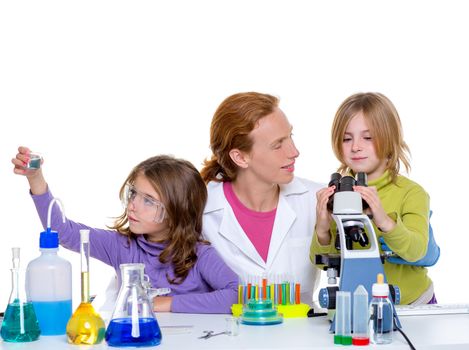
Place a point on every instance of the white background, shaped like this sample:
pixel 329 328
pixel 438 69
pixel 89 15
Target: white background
pixel 98 86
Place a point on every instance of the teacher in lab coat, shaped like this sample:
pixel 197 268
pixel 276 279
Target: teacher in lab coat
pixel 259 216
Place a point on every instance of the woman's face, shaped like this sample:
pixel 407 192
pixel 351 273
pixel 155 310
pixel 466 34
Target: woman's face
pixel 273 153
pixel 359 150
pixel 145 211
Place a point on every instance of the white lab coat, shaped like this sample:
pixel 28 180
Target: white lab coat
pixel 290 242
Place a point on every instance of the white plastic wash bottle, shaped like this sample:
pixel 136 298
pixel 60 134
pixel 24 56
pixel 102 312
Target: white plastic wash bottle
pixel 49 283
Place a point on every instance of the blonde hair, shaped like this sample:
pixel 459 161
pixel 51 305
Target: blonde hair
pixel 385 126
pixel 232 123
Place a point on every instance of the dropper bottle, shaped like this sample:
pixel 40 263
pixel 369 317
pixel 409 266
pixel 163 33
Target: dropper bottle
pixel 85 326
pixel 381 313
pixel 20 321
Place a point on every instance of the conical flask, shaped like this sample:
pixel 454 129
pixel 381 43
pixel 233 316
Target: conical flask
pixel 133 322
pixel 20 322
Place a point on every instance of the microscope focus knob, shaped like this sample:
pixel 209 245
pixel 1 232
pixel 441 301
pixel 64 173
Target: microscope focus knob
pixel 395 294
pixel 327 297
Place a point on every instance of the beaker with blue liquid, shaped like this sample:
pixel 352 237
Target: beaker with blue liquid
pixel 133 322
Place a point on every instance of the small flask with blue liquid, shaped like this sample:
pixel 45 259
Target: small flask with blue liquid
pixel 19 323
pixel 133 322
pixel 49 283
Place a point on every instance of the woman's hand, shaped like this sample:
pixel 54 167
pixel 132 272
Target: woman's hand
pixel 323 216
pixel 35 178
pixel 380 218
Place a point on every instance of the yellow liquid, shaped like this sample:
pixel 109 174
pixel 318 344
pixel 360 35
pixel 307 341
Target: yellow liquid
pixel 85 287
pixel 85 326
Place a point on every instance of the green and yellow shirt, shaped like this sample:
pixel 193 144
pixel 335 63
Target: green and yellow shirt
pixel 407 204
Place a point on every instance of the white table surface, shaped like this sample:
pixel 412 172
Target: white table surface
pixel 426 332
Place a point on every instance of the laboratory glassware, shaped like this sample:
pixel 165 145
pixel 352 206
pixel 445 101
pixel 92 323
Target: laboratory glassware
pixel 85 326
pixel 19 322
pixel 133 322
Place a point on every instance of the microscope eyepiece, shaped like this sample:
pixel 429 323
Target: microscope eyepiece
pixel 346 183
pixel 362 179
pixel 335 179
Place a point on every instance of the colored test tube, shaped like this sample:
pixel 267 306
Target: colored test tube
pixel 284 293
pixel 264 287
pixel 361 316
pixel 275 293
pixel 297 293
pixel 279 292
pixel 343 320
pixel 291 293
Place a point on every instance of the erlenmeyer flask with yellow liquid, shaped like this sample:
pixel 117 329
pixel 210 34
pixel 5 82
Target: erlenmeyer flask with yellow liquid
pixel 85 326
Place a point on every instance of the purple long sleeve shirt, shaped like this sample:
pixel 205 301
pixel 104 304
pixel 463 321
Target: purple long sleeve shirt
pixel 210 286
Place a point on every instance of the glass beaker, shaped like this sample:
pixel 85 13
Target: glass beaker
pixel 133 322
pixel 19 322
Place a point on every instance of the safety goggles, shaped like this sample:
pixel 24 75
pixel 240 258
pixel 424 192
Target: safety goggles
pixel 132 195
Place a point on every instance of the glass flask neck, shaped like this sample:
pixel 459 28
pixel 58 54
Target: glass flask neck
pixel 132 274
pixel 133 301
pixel 18 290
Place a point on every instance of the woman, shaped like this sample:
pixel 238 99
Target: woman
pixel 259 216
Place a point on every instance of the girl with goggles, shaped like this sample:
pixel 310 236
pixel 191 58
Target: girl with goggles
pixel 160 226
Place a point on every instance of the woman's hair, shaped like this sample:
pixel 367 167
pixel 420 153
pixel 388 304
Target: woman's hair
pixel 231 125
pixel 385 126
pixel 184 195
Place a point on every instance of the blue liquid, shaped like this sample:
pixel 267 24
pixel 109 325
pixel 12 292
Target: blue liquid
pixel 34 163
pixel 11 326
pixel 53 316
pixel 119 332
pixel 383 325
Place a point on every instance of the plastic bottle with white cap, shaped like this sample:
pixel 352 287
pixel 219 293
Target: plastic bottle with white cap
pixel 381 313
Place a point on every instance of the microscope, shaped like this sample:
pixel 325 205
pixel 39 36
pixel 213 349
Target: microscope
pixel 352 266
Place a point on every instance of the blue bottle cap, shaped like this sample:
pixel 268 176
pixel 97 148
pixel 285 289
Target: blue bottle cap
pixel 49 239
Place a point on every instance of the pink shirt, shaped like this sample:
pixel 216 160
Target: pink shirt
pixel 257 225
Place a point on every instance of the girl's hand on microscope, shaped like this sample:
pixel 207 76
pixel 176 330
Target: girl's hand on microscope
pixel 323 216
pixel 380 218
pixel 35 178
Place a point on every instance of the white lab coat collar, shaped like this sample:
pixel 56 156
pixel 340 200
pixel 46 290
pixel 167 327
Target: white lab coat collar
pixel 283 220
pixel 218 200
